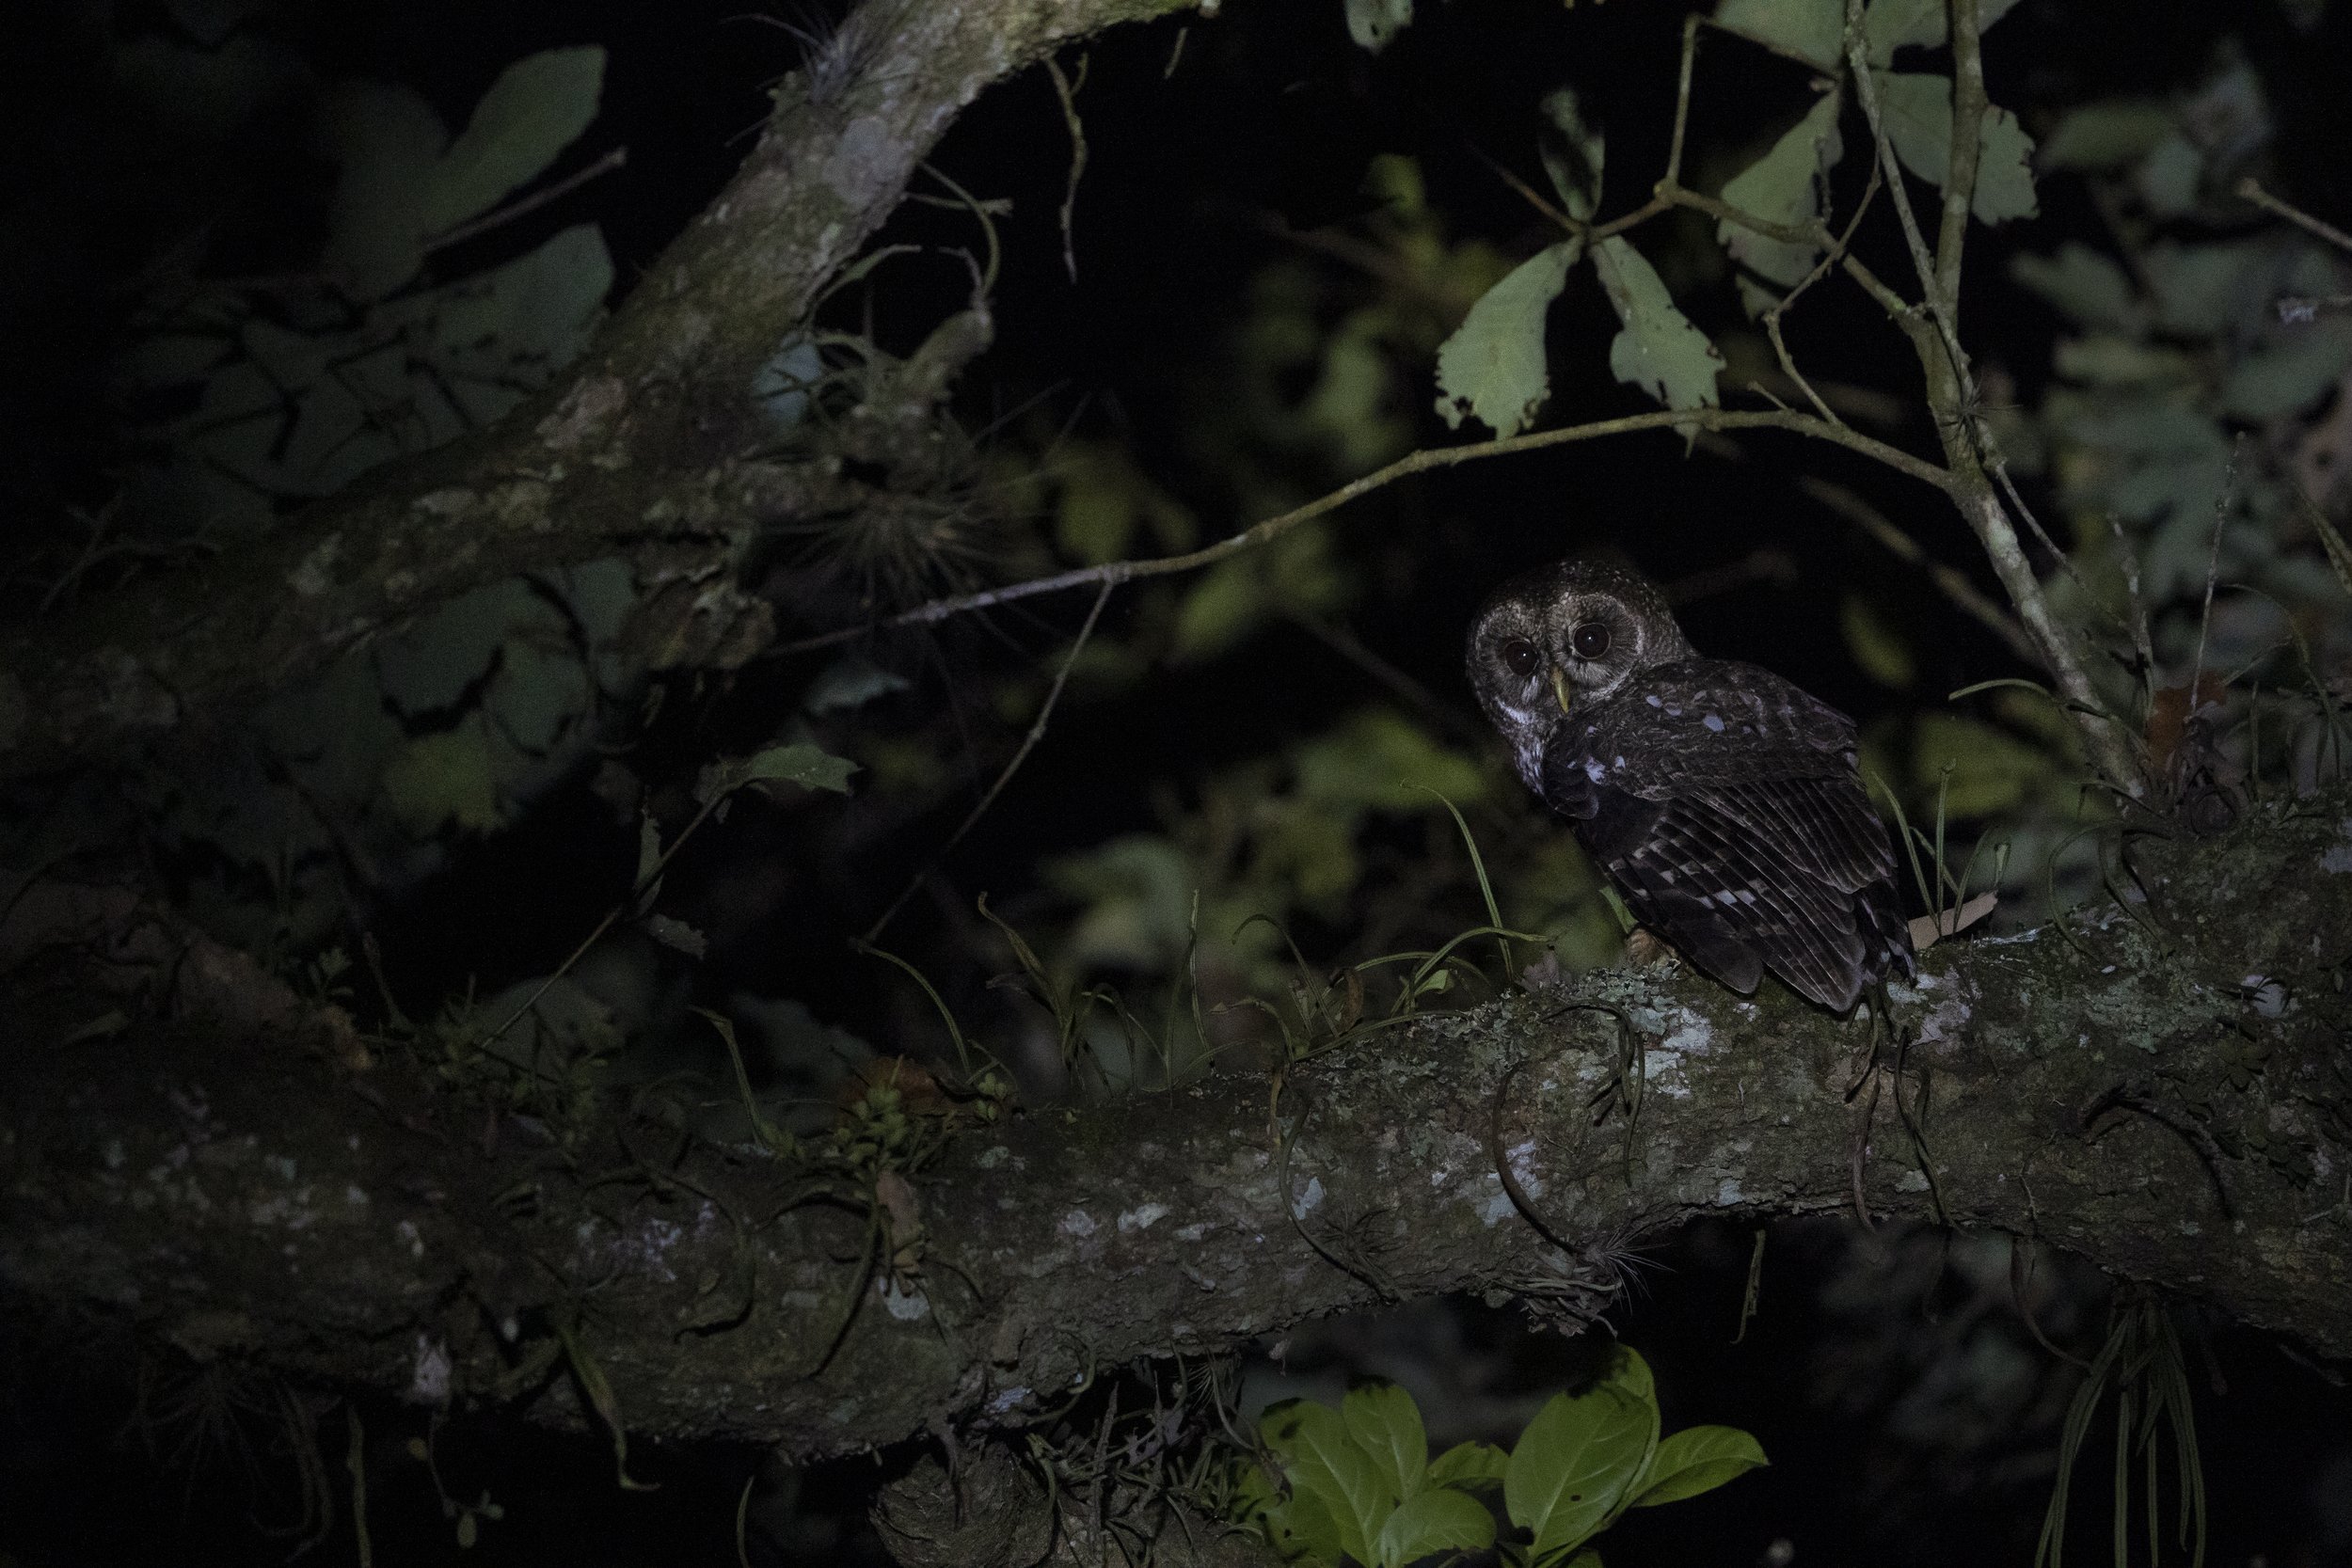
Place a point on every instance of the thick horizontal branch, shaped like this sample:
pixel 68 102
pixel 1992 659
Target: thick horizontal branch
pixel 2160 1087
pixel 633 451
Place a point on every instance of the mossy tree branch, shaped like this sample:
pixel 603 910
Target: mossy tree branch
pixel 641 449
pixel 2112 1087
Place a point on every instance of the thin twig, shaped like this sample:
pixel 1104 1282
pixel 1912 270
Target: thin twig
pixel 458 233
pixel 1028 744
pixel 2213 567
pixel 1969 107
pixel 2248 189
pixel 1120 572
pixel 1068 92
pixel 1948 582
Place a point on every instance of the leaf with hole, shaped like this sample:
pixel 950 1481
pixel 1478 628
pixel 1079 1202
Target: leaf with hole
pixel 1574 1463
pixel 1658 350
pixel 1916 110
pixel 1493 367
pixel 1373 24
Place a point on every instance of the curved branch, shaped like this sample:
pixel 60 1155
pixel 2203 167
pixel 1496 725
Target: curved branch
pixel 1118 572
pixel 637 451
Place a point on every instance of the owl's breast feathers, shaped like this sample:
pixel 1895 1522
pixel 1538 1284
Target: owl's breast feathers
pixel 1727 803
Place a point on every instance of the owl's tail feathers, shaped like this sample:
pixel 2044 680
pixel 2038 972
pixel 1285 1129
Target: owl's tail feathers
pixel 1711 945
pixel 1885 934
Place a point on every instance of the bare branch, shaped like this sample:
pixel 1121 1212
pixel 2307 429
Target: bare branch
pixel 1414 462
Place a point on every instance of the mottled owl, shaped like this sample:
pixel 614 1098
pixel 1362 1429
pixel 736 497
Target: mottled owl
pixel 1724 801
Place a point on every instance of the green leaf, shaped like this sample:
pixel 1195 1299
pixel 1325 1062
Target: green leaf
pixel 443 780
pixel 1574 1463
pixel 2170 176
pixel 1469 1465
pixel 1812 30
pixel 1696 1460
pixel 1573 153
pixel 1324 1463
pixel 2208 288
pixel 1373 22
pixel 1658 350
pixel 2106 136
pixel 1304 1525
pixel 1437 1520
pixel 799 763
pixel 1783 187
pixel 535 110
pixel 1493 366
pixel 387 141
pixel 2085 285
pixel 1386 1424
pixel 1879 648
pixel 1892 25
pixel 1916 109
pixel 2288 377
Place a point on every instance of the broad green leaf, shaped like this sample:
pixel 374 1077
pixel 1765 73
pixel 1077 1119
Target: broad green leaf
pixel 1783 187
pixel 535 110
pixel 2105 360
pixel 799 763
pixel 387 141
pixel 1878 647
pixel 2169 177
pixel 1892 25
pixel 1812 30
pixel 1373 22
pixel 1698 1459
pixel 1324 1463
pixel 2105 136
pixel 802 763
pixel 1386 1424
pixel 1379 758
pixel 1493 366
pixel 1469 1465
pixel 2287 377
pixel 2207 289
pixel 1437 1520
pixel 443 780
pixel 1574 1463
pixel 1658 349
pixel 1916 109
pixel 1573 154
pixel 2088 286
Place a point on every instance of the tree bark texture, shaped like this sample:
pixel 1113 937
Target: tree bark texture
pixel 2160 1084
pixel 646 447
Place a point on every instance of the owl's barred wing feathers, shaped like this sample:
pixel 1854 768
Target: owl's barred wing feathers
pixel 1725 801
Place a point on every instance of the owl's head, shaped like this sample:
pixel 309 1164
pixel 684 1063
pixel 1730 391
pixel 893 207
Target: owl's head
pixel 1549 641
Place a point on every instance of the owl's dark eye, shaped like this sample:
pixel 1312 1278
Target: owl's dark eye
pixel 1520 655
pixel 1590 640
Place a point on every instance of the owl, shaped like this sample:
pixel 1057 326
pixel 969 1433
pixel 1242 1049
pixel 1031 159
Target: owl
pixel 1724 801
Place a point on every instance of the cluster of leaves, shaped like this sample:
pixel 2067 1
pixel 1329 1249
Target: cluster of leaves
pixel 1358 1484
pixel 1495 369
pixel 299 385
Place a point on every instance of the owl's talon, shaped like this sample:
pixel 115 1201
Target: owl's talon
pixel 1646 949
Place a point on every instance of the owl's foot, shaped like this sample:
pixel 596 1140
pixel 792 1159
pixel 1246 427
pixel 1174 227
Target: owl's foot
pixel 1646 949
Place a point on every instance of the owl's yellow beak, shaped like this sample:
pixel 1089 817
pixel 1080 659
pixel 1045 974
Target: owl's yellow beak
pixel 1559 686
